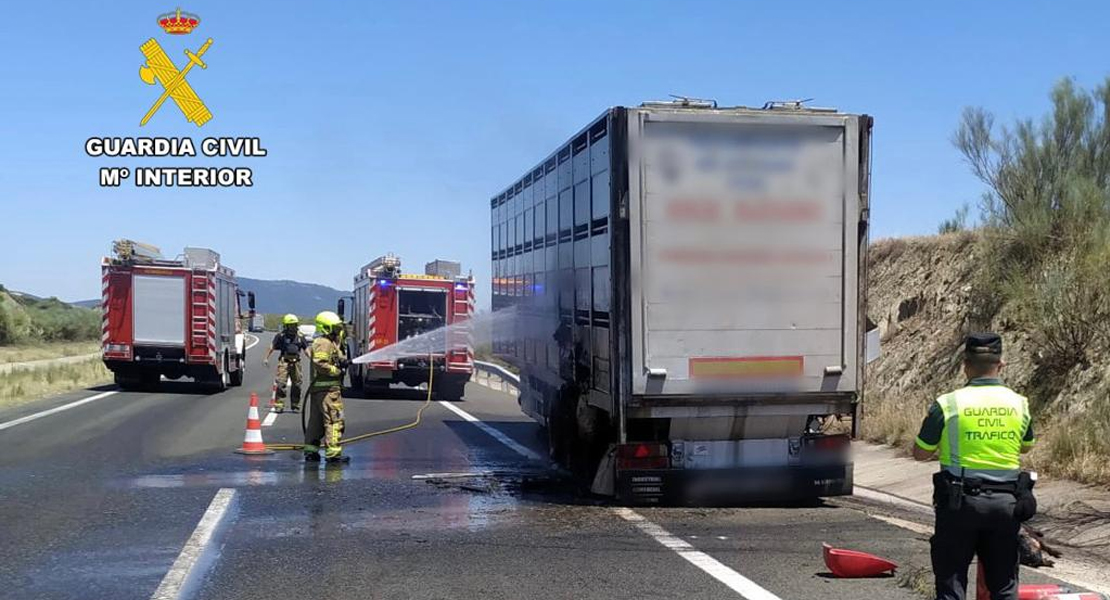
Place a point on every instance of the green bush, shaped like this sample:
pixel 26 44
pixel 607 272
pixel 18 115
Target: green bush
pixel 1046 220
pixel 958 221
pixel 26 320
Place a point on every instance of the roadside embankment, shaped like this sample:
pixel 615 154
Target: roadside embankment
pixel 925 293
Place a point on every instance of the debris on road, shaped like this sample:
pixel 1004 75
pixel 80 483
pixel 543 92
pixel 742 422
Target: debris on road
pixel 851 563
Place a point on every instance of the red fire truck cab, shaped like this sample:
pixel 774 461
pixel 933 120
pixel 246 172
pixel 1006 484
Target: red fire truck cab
pixel 173 318
pixel 407 320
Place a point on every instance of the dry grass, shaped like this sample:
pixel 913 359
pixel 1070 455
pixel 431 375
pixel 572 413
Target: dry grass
pixel 893 421
pixel 23 385
pixel 1075 446
pixel 918 580
pixel 22 353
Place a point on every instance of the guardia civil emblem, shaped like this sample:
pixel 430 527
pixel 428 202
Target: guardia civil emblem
pixel 159 69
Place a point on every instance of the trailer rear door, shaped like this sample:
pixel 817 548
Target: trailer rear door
pixel 743 252
pixel 158 305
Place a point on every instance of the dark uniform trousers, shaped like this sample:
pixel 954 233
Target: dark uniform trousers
pixel 984 525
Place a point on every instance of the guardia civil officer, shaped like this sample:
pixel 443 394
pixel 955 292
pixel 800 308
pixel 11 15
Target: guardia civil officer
pixel 981 494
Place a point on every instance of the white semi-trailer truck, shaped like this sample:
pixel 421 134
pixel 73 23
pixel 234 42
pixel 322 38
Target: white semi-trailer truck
pixel 685 282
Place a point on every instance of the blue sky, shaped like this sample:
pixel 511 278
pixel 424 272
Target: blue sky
pixel 389 125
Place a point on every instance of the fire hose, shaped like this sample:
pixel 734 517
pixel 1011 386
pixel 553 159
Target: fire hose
pixel 306 404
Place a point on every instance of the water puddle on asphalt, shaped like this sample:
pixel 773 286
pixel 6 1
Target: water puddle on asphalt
pixel 436 503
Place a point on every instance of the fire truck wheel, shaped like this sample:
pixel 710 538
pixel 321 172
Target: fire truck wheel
pixel 127 383
pixel 375 390
pixel 355 377
pixel 236 378
pixel 451 389
pixel 149 381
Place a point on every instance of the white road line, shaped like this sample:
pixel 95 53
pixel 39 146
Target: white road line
pixel 254 343
pixel 185 572
pixel 885 498
pixel 56 409
pixel 735 581
pixel 494 433
pixel 269 420
pixel 743 586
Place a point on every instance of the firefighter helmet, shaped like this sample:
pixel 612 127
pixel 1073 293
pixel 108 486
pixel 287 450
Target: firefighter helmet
pixel 327 322
pixel 290 319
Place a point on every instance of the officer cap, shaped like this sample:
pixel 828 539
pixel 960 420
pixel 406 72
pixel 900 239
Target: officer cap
pixel 985 344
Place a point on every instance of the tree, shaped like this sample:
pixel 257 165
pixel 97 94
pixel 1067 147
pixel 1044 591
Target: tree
pixel 1046 216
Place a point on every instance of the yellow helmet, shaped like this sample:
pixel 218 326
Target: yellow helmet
pixel 290 319
pixel 326 322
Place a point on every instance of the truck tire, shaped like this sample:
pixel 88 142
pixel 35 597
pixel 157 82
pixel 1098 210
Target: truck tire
pixel 148 382
pixel 127 383
pixel 354 374
pixel 376 389
pixel 451 389
pixel 220 379
pixel 236 378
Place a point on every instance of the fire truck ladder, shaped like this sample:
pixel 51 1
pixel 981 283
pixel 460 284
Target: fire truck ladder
pixel 199 313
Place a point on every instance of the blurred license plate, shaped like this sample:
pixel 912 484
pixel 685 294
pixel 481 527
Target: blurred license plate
pixel 746 366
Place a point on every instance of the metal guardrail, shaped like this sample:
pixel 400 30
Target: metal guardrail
pixel 496 377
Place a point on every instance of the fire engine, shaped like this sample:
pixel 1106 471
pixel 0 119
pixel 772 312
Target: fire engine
pixel 391 307
pixel 174 318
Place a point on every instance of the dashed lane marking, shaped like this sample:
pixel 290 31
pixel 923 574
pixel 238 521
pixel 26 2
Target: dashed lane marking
pixel 270 418
pixel 743 586
pixel 494 433
pixel 736 582
pixel 195 557
pixel 56 409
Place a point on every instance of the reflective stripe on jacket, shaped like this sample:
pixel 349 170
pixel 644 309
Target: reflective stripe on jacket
pixel 984 429
pixel 325 364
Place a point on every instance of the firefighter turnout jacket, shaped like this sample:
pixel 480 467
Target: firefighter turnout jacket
pixel 326 359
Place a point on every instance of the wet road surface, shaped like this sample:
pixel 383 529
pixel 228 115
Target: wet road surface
pixel 98 501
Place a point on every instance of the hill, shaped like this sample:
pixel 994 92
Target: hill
pixel 25 318
pixel 277 296
pixel 284 296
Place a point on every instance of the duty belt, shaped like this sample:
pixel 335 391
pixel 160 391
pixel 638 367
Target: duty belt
pixel 973 486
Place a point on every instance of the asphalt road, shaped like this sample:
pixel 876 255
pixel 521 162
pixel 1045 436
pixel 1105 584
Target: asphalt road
pixel 107 499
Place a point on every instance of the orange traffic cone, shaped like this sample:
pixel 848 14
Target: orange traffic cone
pixel 1031 591
pixel 252 441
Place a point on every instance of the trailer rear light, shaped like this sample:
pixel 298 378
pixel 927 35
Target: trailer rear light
pixel 649 455
pixel 117 349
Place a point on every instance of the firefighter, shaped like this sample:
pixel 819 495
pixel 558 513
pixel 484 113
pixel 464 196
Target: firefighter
pixel 981 494
pixel 290 344
pixel 326 407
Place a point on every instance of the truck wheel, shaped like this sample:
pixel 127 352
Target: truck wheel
pixel 355 376
pixel 452 389
pixel 127 383
pixel 375 389
pixel 220 382
pixel 236 377
pixel 149 381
